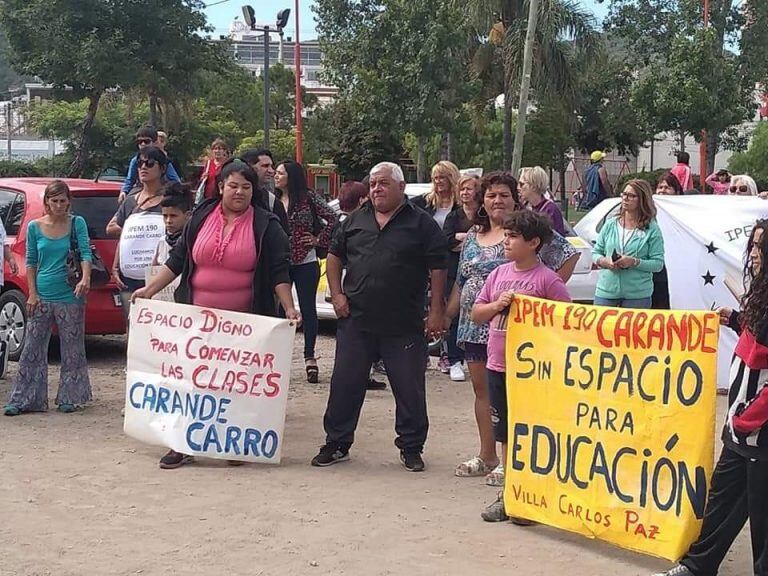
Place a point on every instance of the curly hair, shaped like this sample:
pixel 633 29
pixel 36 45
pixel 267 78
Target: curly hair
pixel 755 300
pixel 482 220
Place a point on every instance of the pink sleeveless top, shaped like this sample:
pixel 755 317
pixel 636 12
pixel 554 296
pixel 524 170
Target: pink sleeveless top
pixel 224 264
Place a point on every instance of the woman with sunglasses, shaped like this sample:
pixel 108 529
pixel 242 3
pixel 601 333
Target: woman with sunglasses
pixel 742 185
pixel 629 250
pixel 146 136
pixel 139 224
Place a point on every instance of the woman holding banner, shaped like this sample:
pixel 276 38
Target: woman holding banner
pixel 629 250
pixel 232 255
pixel 482 253
pixel 739 488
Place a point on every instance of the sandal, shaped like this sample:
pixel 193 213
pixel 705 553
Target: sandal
pixel 472 468
pixel 496 477
pixel 313 372
pixel 11 410
pixel 66 408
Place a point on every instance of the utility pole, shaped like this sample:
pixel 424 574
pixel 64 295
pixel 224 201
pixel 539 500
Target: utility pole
pixel 297 65
pixel 266 87
pixel 525 85
pixel 703 164
pixel 9 128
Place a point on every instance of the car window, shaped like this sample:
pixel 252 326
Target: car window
pixel 97 212
pixel 11 211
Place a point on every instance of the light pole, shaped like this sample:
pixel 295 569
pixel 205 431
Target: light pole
pixel 297 65
pixel 250 20
pixel 703 154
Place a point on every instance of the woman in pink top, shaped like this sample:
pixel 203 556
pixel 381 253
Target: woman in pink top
pixel 233 255
pixel 682 171
pixel 719 181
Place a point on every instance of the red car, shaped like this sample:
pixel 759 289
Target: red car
pixel 21 201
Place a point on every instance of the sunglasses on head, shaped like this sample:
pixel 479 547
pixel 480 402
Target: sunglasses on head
pixel 143 141
pixel 741 188
pixel 149 163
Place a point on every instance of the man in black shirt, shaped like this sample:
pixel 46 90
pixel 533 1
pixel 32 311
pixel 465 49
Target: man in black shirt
pixel 390 249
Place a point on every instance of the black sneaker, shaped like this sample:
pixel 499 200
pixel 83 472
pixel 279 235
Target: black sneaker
pixel 412 461
pixel 376 385
pixel 330 454
pixel 174 459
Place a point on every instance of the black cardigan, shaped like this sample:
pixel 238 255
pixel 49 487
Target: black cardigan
pixel 272 262
pixel 421 202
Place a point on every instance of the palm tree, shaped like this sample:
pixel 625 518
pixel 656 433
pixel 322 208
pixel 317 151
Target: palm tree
pixel 565 34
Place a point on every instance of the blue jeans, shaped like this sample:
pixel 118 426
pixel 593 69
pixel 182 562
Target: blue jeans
pixel 455 354
pixel 306 278
pixel 639 303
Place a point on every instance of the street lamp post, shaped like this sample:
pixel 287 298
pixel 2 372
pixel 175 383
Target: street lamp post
pixel 250 20
pixel 297 65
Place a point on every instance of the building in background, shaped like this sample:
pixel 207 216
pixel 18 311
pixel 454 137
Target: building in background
pixel 247 48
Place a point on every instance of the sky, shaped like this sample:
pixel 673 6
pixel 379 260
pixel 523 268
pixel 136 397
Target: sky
pixel 221 14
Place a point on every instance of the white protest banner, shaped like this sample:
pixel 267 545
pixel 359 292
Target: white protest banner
pixel 138 241
pixel 208 382
pixel 704 242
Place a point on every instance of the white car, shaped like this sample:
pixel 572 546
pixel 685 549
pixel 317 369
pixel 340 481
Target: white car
pixel 581 285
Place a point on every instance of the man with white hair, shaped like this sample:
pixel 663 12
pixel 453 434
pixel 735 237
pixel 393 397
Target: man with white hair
pixel 390 249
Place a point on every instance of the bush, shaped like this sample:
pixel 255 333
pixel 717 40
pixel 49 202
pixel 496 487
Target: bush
pixel 652 178
pixel 18 169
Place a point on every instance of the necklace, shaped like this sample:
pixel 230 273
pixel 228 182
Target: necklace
pixel 624 239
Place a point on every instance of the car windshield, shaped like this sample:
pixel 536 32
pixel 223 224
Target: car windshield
pixel 97 212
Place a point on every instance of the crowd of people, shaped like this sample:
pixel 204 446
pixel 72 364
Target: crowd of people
pixel 447 265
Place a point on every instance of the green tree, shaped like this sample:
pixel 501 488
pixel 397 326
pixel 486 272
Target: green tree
pixel 752 161
pixel 565 34
pixel 688 79
pixel 403 61
pixel 82 48
pixel 89 47
pixel 171 47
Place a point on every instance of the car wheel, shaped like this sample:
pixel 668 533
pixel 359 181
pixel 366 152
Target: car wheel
pixel 13 321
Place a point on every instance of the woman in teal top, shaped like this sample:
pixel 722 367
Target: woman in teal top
pixel 628 250
pixel 53 301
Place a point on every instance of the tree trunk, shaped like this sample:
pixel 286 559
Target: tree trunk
pixel 507 151
pixel 78 165
pixel 713 147
pixel 525 84
pixel 561 176
pixel 419 159
pixel 681 136
pixel 153 107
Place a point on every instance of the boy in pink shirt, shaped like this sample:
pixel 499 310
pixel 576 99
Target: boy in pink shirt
pixel 525 232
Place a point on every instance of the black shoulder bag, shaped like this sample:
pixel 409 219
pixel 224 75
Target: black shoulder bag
pixel 99 274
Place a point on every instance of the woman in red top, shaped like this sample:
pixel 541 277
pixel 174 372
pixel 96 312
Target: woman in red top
pixel 219 154
pixel 310 222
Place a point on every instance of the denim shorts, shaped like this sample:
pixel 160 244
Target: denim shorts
pixel 475 352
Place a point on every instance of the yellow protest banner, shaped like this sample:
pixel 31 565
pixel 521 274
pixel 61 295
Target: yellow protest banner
pixel 611 421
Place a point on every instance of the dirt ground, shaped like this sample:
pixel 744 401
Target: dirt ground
pixel 77 497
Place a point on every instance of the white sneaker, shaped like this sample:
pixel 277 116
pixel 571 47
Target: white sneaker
pixel 457 373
